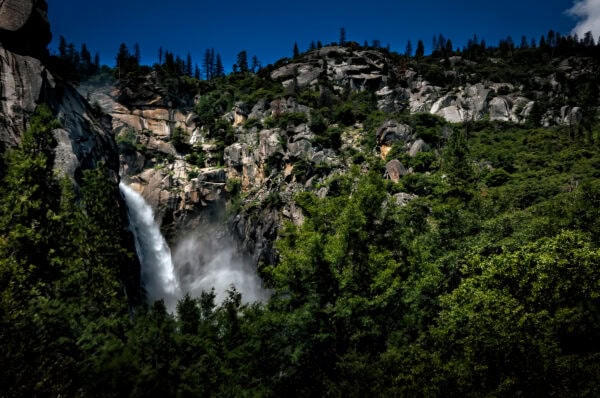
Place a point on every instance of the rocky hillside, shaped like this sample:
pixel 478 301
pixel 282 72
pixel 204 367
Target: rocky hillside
pixel 242 147
pixel 26 82
pixel 83 136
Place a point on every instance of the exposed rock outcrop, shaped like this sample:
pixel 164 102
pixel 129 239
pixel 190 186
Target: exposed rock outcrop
pixel 281 147
pixel 182 202
pixel 83 139
pixel 358 70
pixel 24 26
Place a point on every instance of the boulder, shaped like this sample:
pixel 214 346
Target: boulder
pixel 499 109
pixel 24 26
pixel 391 131
pixel 416 147
pixel 394 170
pixel 570 116
pixel 14 14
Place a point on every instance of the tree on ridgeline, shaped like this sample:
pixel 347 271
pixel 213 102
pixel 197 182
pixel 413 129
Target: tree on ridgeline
pixel 408 50
pixel 256 65
pixel 219 68
pixel 188 65
pixel 208 63
pixel 242 61
pixel 137 53
pixel 126 62
pixel 420 51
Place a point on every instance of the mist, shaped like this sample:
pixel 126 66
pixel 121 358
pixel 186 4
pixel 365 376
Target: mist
pixel 203 262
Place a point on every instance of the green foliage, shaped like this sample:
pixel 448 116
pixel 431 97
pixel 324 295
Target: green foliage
pixel 195 158
pixel 62 258
pixel 330 138
pixel 522 321
pixel 356 108
pixel 251 123
pixel 128 142
pixel 178 139
pixel 286 119
pixel 484 284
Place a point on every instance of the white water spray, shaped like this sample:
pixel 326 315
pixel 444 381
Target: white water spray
pixel 206 262
pixel 199 263
pixel 158 276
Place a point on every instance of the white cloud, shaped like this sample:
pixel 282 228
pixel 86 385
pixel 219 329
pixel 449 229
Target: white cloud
pixel 588 14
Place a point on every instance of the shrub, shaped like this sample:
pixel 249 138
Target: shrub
pixel 196 159
pixel 253 122
pixel 285 119
pixel 496 178
pixel 330 138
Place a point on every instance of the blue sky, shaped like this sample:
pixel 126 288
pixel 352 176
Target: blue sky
pixel 268 28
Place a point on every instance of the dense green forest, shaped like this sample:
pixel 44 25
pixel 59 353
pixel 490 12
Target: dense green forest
pixel 487 283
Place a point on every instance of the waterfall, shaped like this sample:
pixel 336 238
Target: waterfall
pixel 200 263
pixel 158 275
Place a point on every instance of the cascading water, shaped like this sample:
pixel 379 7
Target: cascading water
pixel 158 275
pixel 199 263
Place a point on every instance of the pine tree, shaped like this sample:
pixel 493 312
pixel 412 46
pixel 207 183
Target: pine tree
pixel 420 52
pixel 85 66
pixel 342 36
pixel 409 49
pixel 242 61
pixel 136 53
pixel 296 51
pixel 209 63
pixel 219 69
pixel 255 64
pixel 62 47
pixel 188 65
pixel 29 195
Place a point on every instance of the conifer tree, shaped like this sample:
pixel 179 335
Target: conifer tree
pixel 255 64
pixel 188 65
pixel 137 53
pixel 409 49
pixel 420 52
pixel 242 61
pixel 62 47
pixel 209 63
pixel 219 69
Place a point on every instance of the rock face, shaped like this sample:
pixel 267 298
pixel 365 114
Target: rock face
pixel 24 26
pixel 182 203
pixel 183 194
pixel 83 140
pixel 358 70
pixel 273 157
pixel 25 82
pixel 14 14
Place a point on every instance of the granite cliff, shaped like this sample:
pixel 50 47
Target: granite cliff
pixel 26 81
pixel 304 121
